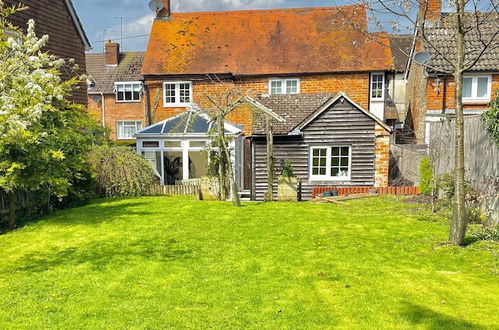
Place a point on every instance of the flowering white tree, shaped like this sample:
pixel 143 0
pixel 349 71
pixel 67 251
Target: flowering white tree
pixel 42 140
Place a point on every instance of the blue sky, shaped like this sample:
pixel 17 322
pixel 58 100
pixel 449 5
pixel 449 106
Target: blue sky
pixel 100 15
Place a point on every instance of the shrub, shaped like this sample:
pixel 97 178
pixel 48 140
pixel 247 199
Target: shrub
pixel 425 175
pixel 119 171
pixel 483 233
pixel 287 169
pixel 491 119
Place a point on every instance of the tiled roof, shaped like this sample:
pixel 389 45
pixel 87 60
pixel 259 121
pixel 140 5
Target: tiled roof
pixel 401 46
pixel 293 108
pixel 443 36
pixel 105 76
pixel 253 42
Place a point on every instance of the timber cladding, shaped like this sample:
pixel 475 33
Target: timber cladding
pixel 341 125
pixel 53 18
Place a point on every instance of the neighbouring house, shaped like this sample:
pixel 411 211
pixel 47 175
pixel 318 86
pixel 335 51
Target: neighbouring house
pixel 115 92
pixel 307 60
pixel 431 89
pixel 67 39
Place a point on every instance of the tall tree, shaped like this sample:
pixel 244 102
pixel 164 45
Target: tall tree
pixel 473 28
pixel 43 138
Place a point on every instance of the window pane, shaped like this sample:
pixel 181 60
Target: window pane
pixel 344 161
pixel 467 84
pixel 170 93
pixel 120 96
pixel 128 93
pixel 315 162
pixel 316 152
pixel 275 87
pixel 315 171
pixel 323 162
pixel 173 144
pixel 197 144
pixel 136 92
pixel 291 86
pixel 335 171
pixel 377 86
pixel 344 151
pixel 335 161
pixel 185 93
pixel 482 87
pixel 322 171
pixel 336 151
pixel 150 144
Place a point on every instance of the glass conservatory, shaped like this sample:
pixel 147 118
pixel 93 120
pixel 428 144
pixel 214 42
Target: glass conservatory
pixel 176 148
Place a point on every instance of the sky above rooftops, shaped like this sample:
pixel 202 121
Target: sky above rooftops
pixel 102 18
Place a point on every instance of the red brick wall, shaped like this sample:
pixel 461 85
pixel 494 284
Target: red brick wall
pixel 115 111
pixel 355 85
pixel 53 18
pixel 435 98
pixel 382 157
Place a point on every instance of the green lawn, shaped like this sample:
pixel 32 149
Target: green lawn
pixel 164 262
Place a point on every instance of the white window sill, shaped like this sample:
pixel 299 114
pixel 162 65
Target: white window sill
pixel 476 101
pixel 176 105
pixel 339 179
pixel 128 101
pixel 125 138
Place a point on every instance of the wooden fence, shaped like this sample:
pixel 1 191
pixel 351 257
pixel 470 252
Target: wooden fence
pixel 406 191
pixel 481 159
pixel 175 190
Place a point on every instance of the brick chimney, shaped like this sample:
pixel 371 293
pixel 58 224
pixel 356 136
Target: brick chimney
pixel 112 53
pixel 166 11
pixel 430 10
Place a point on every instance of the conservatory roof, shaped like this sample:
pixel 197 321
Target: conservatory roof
pixel 185 124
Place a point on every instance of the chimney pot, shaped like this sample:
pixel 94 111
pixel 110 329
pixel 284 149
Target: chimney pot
pixel 166 11
pixel 112 53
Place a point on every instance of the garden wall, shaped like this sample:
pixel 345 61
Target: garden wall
pixel 481 158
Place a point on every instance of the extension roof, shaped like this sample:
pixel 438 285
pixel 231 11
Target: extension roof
pixel 188 123
pixel 299 110
pixel 105 76
pixel 442 35
pixel 265 42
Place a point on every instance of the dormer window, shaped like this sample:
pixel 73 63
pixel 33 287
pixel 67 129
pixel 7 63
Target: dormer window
pixel 128 91
pixel 284 86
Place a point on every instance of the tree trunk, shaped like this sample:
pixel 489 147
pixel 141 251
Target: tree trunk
pixel 269 196
pixel 225 150
pixel 221 163
pixel 12 211
pixel 458 223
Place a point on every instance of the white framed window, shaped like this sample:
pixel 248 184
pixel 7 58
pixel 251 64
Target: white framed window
pixel 284 86
pixel 128 91
pixel 330 163
pixel 126 129
pixel 177 93
pixel 377 86
pixel 476 88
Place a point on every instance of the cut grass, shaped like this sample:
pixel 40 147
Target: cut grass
pixel 164 262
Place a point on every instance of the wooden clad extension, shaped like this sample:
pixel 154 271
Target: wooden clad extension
pixel 342 124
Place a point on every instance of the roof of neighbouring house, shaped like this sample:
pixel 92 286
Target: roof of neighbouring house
pixel 442 35
pixel 298 110
pixel 401 45
pixel 187 123
pixel 105 76
pixel 276 41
